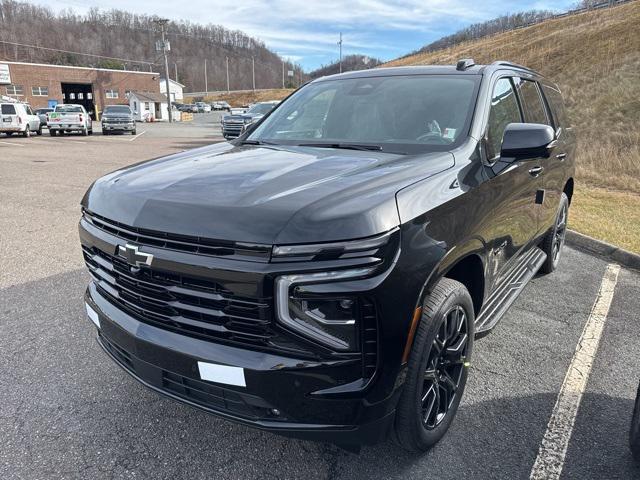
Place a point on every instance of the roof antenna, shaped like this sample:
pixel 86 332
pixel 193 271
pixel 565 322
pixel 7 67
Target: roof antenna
pixel 465 63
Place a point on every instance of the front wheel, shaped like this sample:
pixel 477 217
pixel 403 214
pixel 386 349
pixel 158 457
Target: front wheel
pixel 437 368
pixel 39 131
pixel 554 240
pixel 27 132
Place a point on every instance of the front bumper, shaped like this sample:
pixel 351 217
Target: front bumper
pixel 122 127
pixel 277 394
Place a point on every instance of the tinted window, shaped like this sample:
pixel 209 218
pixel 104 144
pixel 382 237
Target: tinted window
pixel 8 110
pixel 261 108
pixel 69 108
pixel 504 110
pixel 123 109
pixel 554 99
pixel 534 109
pixel 403 113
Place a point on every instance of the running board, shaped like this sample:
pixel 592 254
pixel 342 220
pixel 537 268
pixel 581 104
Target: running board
pixel 512 286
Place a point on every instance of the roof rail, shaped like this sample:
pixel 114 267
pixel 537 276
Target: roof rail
pixel 514 65
pixel 465 63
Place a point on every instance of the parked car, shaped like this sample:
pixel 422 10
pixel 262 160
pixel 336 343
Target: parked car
pixel 203 107
pixel 42 115
pixel 221 105
pixel 234 125
pixel 634 434
pixel 324 275
pixel 118 118
pixel 67 118
pixel 18 118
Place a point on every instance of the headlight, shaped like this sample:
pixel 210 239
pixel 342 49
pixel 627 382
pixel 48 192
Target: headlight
pixel 330 320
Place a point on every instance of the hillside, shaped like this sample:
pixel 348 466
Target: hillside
pixel 125 35
pixel 238 99
pixel 349 63
pixel 595 58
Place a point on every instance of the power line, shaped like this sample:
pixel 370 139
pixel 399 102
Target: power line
pixel 76 53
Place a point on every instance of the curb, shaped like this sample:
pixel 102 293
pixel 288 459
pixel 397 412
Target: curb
pixel 603 249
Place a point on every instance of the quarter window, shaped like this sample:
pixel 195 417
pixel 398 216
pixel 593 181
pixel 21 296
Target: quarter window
pixel 111 93
pixel 15 90
pixel 504 110
pixel 40 91
pixel 534 109
pixel 554 99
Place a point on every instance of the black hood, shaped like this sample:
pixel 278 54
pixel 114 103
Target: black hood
pixel 270 195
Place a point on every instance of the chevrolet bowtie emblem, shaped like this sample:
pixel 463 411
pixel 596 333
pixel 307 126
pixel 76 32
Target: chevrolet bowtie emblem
pixel 134 256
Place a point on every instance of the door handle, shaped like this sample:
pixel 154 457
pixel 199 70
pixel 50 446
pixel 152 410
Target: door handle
pixel 561 156
pixel 535 171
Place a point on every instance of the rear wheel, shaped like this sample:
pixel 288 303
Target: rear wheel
pixel 39 131
pixel 554 240
pixel 85 131
pixel 437 367
pixel 53 133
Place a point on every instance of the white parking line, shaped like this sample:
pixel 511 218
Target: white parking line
pixel 553 449
pixel 13 144
pixel 138 135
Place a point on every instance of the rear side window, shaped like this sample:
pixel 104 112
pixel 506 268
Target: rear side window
pixel 8 110
pixel 504 110
pixel 556 104
pixel 534 109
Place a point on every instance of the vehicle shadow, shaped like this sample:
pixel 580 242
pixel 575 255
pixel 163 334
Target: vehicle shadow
pixel 66 411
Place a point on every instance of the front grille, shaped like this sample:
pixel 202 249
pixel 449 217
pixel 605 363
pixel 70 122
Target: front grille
pixel 197 391
pixel 183 243
pixel 187 305
pixel 232 129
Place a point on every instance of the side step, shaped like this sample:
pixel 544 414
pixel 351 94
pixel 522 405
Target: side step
pixel 507 292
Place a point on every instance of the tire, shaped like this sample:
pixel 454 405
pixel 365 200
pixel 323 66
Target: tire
pixel 634 434
pixel 429 383
pixel 554 240
pixel 105 132
pixel 133 132
pixel 53 133
pixel 39 131
pixel 85 131
pixel 27 132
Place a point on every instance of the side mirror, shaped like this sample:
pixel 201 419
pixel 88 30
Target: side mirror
pixel 525 141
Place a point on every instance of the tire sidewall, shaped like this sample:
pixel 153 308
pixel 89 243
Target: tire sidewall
pixel 564 203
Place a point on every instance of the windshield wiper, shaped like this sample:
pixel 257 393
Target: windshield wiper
pixel 346 146
pixel 255 142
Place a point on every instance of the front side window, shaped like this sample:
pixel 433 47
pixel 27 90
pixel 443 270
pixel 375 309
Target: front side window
pixel 40 91
pixel 401 114
pixel 504 110
pixel 16 90
pixel 534 109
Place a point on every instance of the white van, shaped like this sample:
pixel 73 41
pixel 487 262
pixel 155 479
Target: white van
pixel 18 118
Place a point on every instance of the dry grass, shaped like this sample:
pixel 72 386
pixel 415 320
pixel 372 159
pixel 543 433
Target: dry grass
pixel 238 99
pixel 608 215
pixel 595 58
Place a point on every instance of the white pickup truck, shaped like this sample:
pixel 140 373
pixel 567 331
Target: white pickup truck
pixel 69 118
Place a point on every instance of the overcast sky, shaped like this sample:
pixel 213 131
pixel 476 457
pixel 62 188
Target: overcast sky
pixel 306 31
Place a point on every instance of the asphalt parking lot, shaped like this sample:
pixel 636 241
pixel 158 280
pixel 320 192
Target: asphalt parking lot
pixel 66 411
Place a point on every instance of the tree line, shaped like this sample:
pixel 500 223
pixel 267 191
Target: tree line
pixel 349 63
pixel 125 35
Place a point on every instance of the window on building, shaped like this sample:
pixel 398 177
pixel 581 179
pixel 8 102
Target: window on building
pixel 147 105
pixel 89 95
pixel 111 93
pixel 17 90
pixel 40 91
pixel 80 96
pixel 72 96
pixel 135 106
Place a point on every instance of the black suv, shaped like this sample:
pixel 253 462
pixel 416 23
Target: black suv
pixel 324 275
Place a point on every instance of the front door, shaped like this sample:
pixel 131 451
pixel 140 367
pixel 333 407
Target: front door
pixel 512 186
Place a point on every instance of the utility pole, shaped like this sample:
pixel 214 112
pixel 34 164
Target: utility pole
pixel 175 69
pixel 283 73
pixel 164 46
pixel 340 43
pixel 253 71
pixel 228 75
pixel 206 86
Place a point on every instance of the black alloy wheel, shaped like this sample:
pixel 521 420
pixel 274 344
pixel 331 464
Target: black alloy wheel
pixel 554 239
pixel 445 367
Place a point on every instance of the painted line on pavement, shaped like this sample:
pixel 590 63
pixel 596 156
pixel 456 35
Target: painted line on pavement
pixel 138 135
pixel 11 143
pixel 553 449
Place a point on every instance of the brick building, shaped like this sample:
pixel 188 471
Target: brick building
pixel 43 85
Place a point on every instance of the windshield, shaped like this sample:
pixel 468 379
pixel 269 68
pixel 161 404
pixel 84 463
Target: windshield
pixel 118 109
pixel 69 109
pixel 407 114
pixel 261 108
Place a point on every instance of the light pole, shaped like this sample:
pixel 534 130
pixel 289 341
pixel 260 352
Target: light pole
pixel 206 85
pixel 164 46
pixel 228 75
pixel 340 43
pixel 175 69
pixel 253 71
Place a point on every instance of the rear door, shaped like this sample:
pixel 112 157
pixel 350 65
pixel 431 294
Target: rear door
pixel 8 115
pixel 535 111
pixel 513 221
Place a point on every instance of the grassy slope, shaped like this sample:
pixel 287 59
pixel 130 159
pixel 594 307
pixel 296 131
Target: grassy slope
pixel 237 99
pixel 595 58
